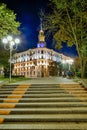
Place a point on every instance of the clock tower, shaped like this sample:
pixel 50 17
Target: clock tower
pixel 41 38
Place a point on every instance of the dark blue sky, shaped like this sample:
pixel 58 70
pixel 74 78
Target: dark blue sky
pixel 28 15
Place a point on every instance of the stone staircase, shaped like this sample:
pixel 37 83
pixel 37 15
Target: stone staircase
pixel 43 107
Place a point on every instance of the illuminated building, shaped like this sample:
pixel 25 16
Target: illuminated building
pixel 35 62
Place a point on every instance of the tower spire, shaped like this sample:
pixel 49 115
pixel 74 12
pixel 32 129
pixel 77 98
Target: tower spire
pixel 41 28
pixel 41 36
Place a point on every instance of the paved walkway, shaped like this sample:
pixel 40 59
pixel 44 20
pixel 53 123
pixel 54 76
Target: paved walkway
pixel 47 80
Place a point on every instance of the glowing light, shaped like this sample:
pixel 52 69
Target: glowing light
pixel 17 41
pixel 9 38
pixel 4 40
pixel 70 61
pixel 12 43
pixel 63 61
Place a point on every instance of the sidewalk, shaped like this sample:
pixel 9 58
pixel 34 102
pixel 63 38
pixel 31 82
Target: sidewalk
pixel 48 80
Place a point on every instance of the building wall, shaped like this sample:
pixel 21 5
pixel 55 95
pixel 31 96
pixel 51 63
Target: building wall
pixel 34 62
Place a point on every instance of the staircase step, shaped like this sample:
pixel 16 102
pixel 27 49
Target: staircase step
pixel 5 92
pixel 45 90
pixel 13 85
pixel 44 104
pixel 43 107
pixel 52 104
pixel 38 95
pixel 57 87
pixel 7 89
pixel 44 110
pixel 42 100
pixel 45 118
pixel 53 88
pixel 43 95
pixel 33 88
pixel 44 126
pixel 3 87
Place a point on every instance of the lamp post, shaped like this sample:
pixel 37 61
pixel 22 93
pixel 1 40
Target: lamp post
pixel 70 62
pixel 10 44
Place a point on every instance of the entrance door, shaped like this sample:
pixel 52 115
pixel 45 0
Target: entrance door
pixel 42 74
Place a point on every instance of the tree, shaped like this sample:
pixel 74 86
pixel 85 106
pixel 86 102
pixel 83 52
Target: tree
pixel 53 68
pixel 8 23
pixel 8 26
pixel 77 67
pixel 68 23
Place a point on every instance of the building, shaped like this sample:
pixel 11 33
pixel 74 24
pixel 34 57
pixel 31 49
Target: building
pixel 35 62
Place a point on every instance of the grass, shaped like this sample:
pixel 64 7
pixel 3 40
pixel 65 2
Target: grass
pixel 76 79
pixel 19 79
pixel 13 80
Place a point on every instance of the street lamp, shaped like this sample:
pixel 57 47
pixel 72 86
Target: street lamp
pixel 70 62
pixel 10 43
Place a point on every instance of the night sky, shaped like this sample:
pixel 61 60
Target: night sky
pixel 28 15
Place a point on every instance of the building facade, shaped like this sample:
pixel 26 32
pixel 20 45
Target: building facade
pixel 35 62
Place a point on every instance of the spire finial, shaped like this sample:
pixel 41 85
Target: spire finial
pixel 41 24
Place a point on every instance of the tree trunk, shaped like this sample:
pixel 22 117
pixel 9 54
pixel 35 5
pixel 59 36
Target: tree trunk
pixel 83 68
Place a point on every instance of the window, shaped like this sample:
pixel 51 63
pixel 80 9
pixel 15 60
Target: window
pixel 42 51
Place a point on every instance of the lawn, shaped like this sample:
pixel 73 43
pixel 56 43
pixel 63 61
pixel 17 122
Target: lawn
pixel 13 79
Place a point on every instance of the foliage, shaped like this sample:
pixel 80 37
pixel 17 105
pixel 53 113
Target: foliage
pixel 8 25
pixel 53 69
pixel 7 70
pixel 4 57
pixel 77 67
pixel 68 23
pixel 77 63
